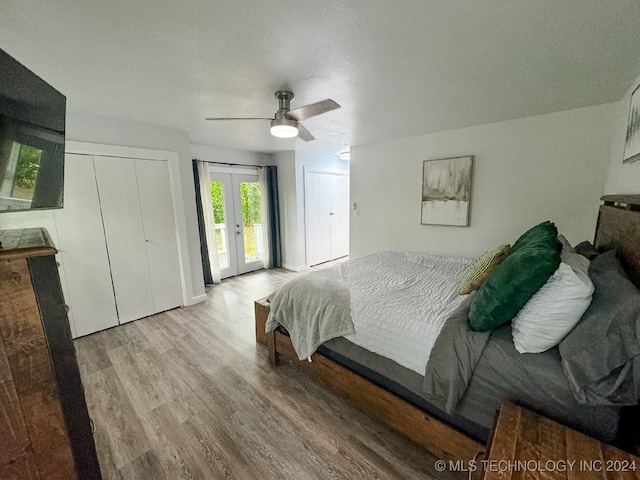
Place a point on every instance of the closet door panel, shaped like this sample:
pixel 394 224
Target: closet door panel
pixel 83 252
pixel 339 215
pixel 318 209
pixel 160 233
pixel 124 233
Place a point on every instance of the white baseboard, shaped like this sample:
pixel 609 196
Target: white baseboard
pixel 295 269
pixel 198 299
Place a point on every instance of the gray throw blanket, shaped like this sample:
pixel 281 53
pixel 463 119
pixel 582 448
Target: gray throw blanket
pixel 302 308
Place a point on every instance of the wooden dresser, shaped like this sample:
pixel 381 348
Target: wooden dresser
pixel 45 431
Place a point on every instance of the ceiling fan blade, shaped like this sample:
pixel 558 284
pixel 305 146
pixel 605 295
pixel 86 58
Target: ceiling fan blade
pixel 308 111
pixel 236 118
pixel 304 134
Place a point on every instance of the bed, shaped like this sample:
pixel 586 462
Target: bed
pixel 448 405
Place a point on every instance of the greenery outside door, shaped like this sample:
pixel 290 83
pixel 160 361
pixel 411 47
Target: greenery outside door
pixel 237 214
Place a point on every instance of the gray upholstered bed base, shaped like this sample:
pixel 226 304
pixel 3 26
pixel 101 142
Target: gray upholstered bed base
pixel 476 411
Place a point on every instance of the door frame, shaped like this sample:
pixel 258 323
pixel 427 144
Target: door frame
pixel 307 170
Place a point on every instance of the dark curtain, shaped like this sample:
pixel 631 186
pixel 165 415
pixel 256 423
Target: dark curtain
pixel 275 250
pixel 204 251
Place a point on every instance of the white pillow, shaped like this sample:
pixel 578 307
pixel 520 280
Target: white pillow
pixel 553 311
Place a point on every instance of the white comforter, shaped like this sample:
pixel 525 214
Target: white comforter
pixel 400 300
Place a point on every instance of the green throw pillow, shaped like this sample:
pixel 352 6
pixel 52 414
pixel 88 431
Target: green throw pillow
pixel 480 270
pixel 543 234
pixel 532 260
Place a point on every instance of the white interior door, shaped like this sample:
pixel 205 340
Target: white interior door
pixel 318 208
pixel 156 207
pixel 339 216
pixel 327 216
pixel 124 233
pixel 236 204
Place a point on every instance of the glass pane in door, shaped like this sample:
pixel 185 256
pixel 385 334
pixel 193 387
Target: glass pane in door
pixel 222 232
pixel 251 220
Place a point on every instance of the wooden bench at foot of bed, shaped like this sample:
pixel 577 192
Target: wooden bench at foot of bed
pixel 440 439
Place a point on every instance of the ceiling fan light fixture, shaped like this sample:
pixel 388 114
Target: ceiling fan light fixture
pixel 284 128
pixel 284 123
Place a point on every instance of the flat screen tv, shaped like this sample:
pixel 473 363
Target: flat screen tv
pixel 32 129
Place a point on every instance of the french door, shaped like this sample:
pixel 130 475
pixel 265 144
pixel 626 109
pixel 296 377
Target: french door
pixel 237 212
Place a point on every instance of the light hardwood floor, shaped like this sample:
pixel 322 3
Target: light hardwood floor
pixel 188 394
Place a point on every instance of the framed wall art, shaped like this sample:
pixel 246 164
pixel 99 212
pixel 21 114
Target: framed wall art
pixel 446 191
pixel 632 141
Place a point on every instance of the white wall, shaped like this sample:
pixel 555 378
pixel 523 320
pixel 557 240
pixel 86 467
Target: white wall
pixel 525 171
pixel 623 178
pixel 83 128
pixel 226 155
pixel 291 166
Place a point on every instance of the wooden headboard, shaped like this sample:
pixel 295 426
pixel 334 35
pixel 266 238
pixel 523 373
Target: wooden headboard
pixel 618 222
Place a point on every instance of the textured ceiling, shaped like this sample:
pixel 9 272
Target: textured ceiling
pixel 398 68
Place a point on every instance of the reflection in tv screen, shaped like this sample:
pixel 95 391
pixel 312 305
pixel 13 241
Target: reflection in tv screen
pixel 32 132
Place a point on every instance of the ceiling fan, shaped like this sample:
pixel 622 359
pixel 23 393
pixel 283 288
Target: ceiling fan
pixel 285 122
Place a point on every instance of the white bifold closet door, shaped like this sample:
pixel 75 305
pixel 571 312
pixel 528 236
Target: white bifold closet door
pixel 83 251
pixel 327 216
pixel 116 240
pixel 140 235
pixel 339 216
pixel 124 233
pixel 160 234
pixel 318 208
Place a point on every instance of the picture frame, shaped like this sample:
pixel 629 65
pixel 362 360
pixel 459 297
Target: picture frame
pixel 446 191
pixel 632 139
